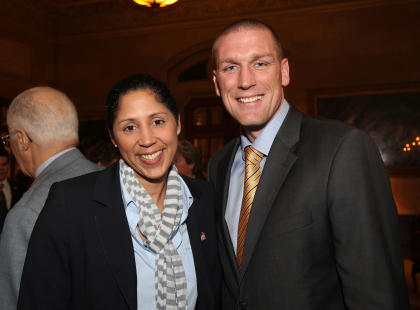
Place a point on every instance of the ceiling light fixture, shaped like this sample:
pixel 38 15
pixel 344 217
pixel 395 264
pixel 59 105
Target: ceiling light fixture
pixel 155 3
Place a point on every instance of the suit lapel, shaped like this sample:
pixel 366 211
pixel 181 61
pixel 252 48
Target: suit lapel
pixel 277 166
pixel 112 226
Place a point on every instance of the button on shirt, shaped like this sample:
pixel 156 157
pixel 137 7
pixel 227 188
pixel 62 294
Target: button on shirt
pixel 145 258
pixel 262 143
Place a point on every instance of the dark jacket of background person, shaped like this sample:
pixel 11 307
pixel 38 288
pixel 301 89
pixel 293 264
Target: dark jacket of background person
pixel 323 232
pixel 87 256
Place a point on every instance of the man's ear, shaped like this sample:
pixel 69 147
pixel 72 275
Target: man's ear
pixel 23 140
pixel 285 76
pixel 216 86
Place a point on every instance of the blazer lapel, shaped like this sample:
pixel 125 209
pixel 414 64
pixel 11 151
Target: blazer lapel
pixel 113 230
pixel 278 164
pixel 223 181
pixel 193 227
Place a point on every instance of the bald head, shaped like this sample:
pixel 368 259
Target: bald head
pixel 246 24
pixel 47 115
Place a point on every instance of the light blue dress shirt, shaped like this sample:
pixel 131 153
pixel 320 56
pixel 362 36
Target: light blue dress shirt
pixel 262 143
pixel 145 258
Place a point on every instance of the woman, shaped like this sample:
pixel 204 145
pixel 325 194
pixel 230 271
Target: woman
pixel 135 235
pixel 187 160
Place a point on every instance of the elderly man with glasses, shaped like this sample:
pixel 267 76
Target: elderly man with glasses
pixel 43 129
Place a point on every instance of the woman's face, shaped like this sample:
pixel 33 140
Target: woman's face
pixel 146 133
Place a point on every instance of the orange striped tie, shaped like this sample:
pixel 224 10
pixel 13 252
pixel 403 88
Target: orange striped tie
pixel 252 177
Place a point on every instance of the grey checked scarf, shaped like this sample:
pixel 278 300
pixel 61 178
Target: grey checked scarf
pixel 170 281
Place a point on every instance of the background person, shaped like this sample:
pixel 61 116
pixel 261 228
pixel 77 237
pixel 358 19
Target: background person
pixel 307 218
pixel 103 153
pixel 10 192
pixel 187 160
pixel 136 235
pixel 43 129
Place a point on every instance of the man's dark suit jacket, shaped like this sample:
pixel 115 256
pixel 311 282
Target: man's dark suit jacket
pixel 81 256
pixel 323 231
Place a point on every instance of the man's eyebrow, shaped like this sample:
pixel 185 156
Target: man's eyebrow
pixel 228 60
pixel 259 56
pixel 253 58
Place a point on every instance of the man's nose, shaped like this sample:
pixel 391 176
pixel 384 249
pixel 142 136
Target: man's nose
pixel 246 78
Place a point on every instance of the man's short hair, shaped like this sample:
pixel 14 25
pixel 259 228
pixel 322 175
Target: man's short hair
pixel 246 24
pixel 46 114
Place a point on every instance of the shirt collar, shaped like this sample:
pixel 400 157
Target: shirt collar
pixel 265 139
pixel 45 164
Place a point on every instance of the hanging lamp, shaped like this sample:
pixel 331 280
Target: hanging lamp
pixel 155 3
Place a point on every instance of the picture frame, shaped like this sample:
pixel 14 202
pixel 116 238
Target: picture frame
pixel 390 114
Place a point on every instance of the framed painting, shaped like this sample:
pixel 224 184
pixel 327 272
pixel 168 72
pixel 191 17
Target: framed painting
pixel 390 114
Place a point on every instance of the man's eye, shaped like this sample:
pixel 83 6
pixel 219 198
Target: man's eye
pixel 260 64
pixel 229 68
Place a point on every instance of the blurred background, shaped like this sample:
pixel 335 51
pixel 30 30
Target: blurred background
pixel 357 61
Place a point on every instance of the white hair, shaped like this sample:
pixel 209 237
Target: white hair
pixel 47 115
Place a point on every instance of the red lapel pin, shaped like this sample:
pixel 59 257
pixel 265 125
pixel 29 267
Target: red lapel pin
pixel 202 236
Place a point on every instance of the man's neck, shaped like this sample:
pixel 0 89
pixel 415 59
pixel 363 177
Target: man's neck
pixel 41 153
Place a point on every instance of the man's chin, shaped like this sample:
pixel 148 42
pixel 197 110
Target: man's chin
pixel 253 127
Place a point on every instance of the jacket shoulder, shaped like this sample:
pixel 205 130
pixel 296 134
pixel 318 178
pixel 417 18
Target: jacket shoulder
pixel 198 187
pixel 79 183
pixel 329 130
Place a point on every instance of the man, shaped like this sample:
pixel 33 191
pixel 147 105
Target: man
pixel 317 227
pixel 43 129
pixel 10 192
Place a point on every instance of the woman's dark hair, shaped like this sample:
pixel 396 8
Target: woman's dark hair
pixel 137 82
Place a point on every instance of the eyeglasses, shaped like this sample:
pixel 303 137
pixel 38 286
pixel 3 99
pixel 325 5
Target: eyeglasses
pixel 5 140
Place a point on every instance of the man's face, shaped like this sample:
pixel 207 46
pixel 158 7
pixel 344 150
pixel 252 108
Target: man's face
pixel 250 77
pixel 4 167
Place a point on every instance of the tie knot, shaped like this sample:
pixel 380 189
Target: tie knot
pixel 253 155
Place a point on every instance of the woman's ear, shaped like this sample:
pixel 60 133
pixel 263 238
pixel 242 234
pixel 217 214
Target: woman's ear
pixel 112 139
pixel 178 127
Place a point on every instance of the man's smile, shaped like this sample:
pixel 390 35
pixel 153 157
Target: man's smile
pixel 249 99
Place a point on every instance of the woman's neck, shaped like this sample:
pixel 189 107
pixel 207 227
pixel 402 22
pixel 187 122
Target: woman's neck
pixel 156 190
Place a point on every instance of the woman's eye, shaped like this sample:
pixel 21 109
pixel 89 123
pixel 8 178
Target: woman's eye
pixel 158 122
pixel 129 128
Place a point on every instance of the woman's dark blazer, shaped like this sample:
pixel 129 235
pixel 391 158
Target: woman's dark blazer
pixel 81 256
